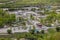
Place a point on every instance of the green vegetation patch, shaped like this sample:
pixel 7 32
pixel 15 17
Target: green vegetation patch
pixel 3 1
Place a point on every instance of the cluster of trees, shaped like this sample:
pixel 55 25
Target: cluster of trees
pixel 51 18
pixel 50 35
pixel 6 18
pixel 23 20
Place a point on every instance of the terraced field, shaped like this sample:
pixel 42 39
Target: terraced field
pixel 36 1
pixel 31 1
pixel 18 3
pixel 3 1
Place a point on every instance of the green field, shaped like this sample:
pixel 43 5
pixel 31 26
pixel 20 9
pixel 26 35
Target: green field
pixel 3 1
pixel 18 3
pixel 32 1
pixel 36 2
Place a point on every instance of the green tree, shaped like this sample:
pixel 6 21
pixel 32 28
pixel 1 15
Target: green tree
pixel 58 29
pixel 31 17
pixel 9 31
pixel 33 9
pixel 42 31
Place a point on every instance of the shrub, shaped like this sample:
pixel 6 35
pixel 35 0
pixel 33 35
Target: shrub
pixel 9 31
pixel 38 32
pixel 42 31
pixel 48 25
pixel 33 9
pixel 12 9
pixel 32 31
pixel 58 29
